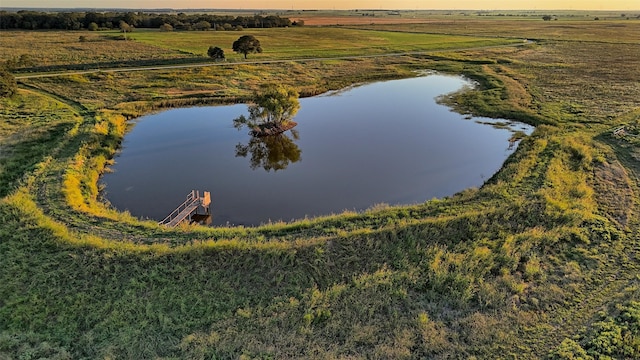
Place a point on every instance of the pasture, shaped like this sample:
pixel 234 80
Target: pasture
pixel 310 42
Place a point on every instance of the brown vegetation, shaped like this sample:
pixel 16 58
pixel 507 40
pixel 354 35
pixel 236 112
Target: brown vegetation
pixel 357 19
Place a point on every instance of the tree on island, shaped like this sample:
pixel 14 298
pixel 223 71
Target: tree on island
pixel 215 53
pixel 247 44
pixel 271 110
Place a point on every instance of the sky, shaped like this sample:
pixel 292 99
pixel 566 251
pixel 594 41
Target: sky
pixel 333 4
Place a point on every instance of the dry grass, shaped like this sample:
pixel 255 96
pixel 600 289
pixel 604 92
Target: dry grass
pixel 356 19
pixel 613 31
pixel 53 48
pixel 575 77
pixel 614 191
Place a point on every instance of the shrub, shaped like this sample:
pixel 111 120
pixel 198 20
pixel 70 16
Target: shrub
pixel 202 25
pixel 215 53
pixel 8 84
pixel 569 349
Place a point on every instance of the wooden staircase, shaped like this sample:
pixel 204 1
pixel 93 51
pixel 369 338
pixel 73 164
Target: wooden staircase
pixel 190 206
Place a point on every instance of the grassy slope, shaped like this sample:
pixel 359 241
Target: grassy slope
pixel 511 269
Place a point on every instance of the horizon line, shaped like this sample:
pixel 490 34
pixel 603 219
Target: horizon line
pixel 290 10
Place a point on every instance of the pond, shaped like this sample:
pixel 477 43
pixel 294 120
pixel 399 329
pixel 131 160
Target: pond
pixel 388 142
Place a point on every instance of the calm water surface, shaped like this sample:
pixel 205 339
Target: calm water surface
pixel 387 142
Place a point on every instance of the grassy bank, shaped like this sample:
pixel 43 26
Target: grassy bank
pixel 540 260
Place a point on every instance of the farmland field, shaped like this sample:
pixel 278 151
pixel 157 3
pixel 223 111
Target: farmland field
pixel 309 42
pixel 539 262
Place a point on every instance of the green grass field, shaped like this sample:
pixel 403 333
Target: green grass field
pixel 57 50
pixel 539 262
pixel 309 42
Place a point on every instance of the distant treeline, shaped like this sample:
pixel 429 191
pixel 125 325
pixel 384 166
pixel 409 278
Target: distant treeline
pixel 36 20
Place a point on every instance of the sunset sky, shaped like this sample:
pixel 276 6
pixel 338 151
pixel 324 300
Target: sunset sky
pixel 334 4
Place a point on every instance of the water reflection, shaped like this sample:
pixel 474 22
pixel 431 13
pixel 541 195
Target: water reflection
pixel 274 152
pixel 387 142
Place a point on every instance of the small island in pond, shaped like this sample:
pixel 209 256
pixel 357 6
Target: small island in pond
pixel 268 129
pixel 271 111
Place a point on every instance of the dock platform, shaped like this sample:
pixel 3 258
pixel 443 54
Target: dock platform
pixel 189 209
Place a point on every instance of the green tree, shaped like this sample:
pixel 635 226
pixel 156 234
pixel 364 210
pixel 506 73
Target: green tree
pixel 125 28
pixel 16 62
pixel 215 53
pixel 247 44
pixel 202 25
pixel 271 111
pixel 8 84
pixel 273 104
pixel 92 26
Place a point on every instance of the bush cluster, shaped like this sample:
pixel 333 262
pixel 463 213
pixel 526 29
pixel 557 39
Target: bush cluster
pixel 8 84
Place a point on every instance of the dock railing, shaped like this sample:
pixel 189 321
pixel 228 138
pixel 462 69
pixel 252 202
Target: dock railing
pixel 187 208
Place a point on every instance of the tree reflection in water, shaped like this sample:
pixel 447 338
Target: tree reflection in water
pixel 274 152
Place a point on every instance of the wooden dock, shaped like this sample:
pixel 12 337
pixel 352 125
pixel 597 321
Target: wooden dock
pixel 189 208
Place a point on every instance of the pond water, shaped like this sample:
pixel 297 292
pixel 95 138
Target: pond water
pixel 386 142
